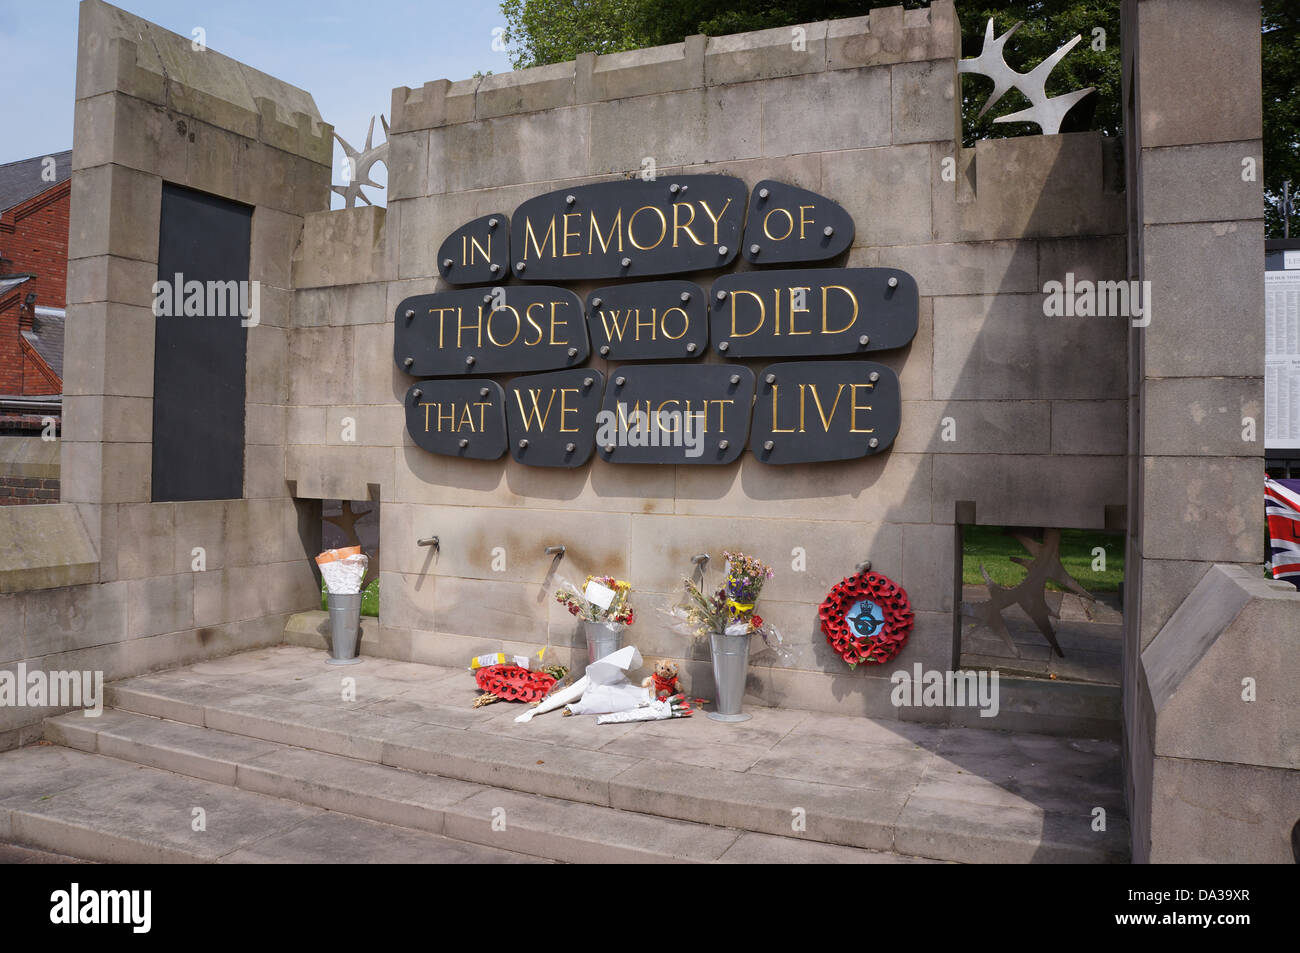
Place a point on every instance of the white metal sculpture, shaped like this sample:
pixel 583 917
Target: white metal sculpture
pixel 1046 112
pixel 359 165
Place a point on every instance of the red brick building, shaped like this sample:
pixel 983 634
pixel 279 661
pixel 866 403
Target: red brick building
pixel 34 199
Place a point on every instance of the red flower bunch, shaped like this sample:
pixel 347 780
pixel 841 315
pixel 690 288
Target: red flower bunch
pixel 849 640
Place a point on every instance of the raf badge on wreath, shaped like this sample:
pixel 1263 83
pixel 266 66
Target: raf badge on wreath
pixel 866 618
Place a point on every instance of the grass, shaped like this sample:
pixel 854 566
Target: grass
pixel 994 548
pixel 369 599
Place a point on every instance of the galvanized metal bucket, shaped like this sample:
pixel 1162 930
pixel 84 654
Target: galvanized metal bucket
pixel 730 669
pixel 345 628
pixel 602 638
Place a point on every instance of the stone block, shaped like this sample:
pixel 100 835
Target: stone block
pixel 926 107
pixel 408 165
pixel 1165 584
pixel 275 235
pixel 127 472
pixel 874 40
pixel 409 600
pixel 305 425
pixel 160 604
pixel 46 546
pixel 114 211
pixel 970 426
pixel 795 113
pixel 360 304
pixel 928 566
pixel 1011 490
pixel 264 424
pixel 765 54
pixel 108 350
pixel 1196 293
pixel 512 149
pixel 1005 347
pixel 253 592
pixel 339 247
pixel 1203 417
pixel 108 278
pixel 1089 426
pixel 892 487
pixel 525 90
pixel 338 473
pixel 1220 813
pixel 320 368
pixel 1090 259
pixel 79 472
pixel 1202 508
pixel 145 539
pixel 656 69
pixel 365 426
pixel 77 617
pixel 678 128
pixel 267 380
pixel 264 472
pixel 1200 81
pixel 967 267
pixel 867 180
pixel 1235 624
pixel 377 379
pixel 1201 183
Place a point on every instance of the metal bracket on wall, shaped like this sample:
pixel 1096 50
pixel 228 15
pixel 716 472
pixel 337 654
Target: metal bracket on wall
pixel 556 551
pixel 430 541
pixel 864 566
pixel 701 560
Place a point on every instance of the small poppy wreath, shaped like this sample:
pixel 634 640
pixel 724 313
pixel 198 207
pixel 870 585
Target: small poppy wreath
pixel 514 684
pixel 866 618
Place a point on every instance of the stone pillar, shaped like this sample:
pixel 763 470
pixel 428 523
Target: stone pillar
pixel 1193 124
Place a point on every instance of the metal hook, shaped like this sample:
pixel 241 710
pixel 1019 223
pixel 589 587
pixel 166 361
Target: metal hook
pixel 430 541
pixel 555 550
pixel 864 566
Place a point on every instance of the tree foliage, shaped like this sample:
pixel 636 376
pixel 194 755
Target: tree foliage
pixel 1281 77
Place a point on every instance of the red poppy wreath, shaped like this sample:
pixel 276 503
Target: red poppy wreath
pixel 866 618
pixel 514 684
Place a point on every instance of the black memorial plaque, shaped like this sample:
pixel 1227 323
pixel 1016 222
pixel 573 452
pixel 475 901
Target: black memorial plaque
pixel 716 398
pixel 787 225
pixel 812 312
pixel 629 229
pixel 462 418
pixel 551 418
pixel 200 354
pixel 814 411
pixel 490 331
pixel 650 320
pixel 477 253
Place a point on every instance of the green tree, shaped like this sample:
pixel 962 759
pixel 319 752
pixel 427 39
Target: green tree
pixel 553 31
pixel 1281 77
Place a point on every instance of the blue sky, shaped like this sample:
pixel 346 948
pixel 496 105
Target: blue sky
pixel 348 55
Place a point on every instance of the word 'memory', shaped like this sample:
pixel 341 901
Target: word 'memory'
pixel 572 234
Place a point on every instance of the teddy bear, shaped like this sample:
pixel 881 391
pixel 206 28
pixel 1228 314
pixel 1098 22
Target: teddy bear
pixel 663 683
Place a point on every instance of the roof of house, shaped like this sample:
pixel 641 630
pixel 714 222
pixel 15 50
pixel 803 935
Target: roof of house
pixel 22 180
pixel 47 337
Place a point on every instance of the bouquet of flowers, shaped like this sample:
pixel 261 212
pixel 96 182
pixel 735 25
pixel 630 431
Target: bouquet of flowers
pixel 730 609
pixel 579 604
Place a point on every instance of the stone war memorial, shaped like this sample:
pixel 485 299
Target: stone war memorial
pixel 635 337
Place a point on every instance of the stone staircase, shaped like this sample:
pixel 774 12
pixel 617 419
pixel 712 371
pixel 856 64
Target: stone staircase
pixel 281 766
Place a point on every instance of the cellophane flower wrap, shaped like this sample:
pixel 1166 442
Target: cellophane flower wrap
pixel 731 608
pixel 620 609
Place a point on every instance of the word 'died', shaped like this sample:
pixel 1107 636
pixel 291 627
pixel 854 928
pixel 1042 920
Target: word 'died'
pixel 1086 298
pixel 661 428
pixel 208 299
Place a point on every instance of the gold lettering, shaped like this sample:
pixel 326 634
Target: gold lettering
pixel 566 409
pixel 855 407
pixel 686 323
pixel 686 226
pixel 722 413
pixel 477 326
pixel 476 247
pixel 804 221
pixel 482 409
pixel 465 418
pixel 615 230
pixel 631 224
pixel 789 219
pixel 554 305
pixel 775 428
pixel 568 234
pixel 762 313
pixel 825 310
pixel 645 324
pixel 529 234
pixel 826 421
pixel 537 413
pixel 618 328
pixel 442 317
pixel 518 326
pixel 528 315
pixel 660 409
pixel 716 218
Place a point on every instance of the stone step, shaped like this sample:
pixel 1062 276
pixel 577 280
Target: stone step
pixel 551 828
pixel 942 794
pixel 93 807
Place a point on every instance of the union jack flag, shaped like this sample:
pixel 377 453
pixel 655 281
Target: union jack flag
pixel 1282 507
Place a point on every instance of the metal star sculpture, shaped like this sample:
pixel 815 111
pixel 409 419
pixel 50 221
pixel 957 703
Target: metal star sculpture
pixel 1047 112
pixel 360 164
pixel 1030 594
